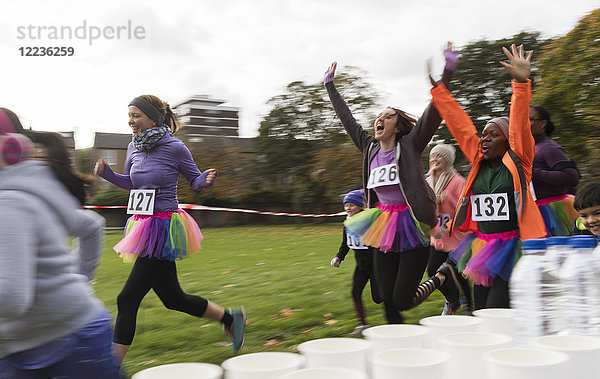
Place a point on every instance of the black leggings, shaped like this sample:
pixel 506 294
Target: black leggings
pixel 160 276
pixel 362 274
pixel 398 277
pixel 436 258
pixel 495 296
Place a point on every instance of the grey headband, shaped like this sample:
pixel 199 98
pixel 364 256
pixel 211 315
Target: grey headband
pixel 149 110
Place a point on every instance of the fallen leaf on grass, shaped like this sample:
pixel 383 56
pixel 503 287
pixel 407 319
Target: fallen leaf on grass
pixel 287 313
pixel 309 330
pixel 330 322
pixel 271 343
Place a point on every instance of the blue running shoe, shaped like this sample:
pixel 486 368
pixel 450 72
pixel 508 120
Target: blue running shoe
pixel 237 331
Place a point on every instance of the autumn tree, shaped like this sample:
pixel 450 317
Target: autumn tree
pixel 570 91
pixel 235 176
pixel 301 129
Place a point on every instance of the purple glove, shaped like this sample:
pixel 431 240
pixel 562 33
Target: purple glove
pixel 451 59
pixel 330 73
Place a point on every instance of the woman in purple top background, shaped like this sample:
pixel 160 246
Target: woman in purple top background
pixel 155 158
pixel 554 176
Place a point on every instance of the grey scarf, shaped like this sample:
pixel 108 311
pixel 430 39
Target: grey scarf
pixel 146 140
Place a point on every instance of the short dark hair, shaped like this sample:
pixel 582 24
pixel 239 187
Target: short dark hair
pixel 587 196
pixel 544 115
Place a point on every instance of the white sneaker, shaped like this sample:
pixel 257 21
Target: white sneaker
pixel 360 328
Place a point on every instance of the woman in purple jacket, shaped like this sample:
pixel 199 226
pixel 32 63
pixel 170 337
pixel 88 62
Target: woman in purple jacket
pixel 159 232
pixel 554 176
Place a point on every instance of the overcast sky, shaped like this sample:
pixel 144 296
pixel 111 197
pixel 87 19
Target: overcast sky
pixel 243 52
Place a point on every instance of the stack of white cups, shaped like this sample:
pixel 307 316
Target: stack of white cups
pixel 457 347
pixel 454 347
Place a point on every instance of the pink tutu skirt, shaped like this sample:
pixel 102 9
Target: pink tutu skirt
pixel 164 235
pixel 483 257
pixel 388 228
pixel 558 214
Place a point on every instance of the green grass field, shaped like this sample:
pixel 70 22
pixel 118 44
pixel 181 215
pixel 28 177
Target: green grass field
pixel 280 274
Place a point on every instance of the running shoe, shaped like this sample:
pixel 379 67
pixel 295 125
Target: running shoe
pixel 360 328
pixel 450 309
pixel 237 331
pixel 451 287
pixel 468 311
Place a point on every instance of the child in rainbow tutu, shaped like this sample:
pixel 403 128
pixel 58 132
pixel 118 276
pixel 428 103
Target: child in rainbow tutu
pixel 160 233
pixel 363 273
pixel 495 203
pixel 400 204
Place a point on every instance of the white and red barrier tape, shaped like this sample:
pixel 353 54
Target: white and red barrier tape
pixel 205 208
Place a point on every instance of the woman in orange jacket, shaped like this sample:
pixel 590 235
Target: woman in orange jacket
pixel 495 203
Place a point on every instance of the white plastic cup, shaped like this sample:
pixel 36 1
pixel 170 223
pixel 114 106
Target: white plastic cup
pixel 497 320
pixel 181 371
pixel 325 373
pixel 410 363
pixel 336 352
pixel 394 336
pixel 265 365
pixel 466 351
pixel 439 326
pixel 583 352
pixel 525 363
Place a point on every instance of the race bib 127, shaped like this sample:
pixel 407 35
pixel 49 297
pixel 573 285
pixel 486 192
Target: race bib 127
pixel 141 202
pixel 384 176
pixel 490 207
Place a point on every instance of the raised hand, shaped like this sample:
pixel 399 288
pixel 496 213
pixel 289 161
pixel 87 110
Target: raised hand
pixel 519 65
pixel 330 73
pixel 451 57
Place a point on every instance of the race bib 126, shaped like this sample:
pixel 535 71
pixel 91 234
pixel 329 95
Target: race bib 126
pixel 141 202
pixel 490 207
pixel 383 176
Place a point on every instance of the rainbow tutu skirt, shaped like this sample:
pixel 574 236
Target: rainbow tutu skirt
pixel 387 227
pixel 164 235
pixel 558 214
pixel 483 257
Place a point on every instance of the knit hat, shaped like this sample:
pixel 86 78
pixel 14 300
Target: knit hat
pixel 14 147
pixel 448 152
pixel 502 123
pixel 355 197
